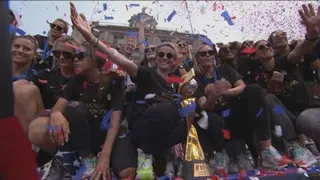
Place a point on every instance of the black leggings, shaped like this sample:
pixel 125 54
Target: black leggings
pixel 248 113
pixel 85 137
pixel 212 134
pixel 159 128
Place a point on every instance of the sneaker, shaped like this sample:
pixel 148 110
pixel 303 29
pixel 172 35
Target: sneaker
pixel 271 159
pixel 90 165
pixel 244 161
pixel 219 163
pixel 233 166
pixel 144 169
pixel 302 156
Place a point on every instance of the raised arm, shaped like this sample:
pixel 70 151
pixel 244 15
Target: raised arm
pixel 312 23
pixel 83 27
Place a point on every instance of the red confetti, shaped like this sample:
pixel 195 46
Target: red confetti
pixel 62 87
pixel 226 134
pixel 174 79
pixel 43 81
pixel 233 17
pixel 127 7
pixel 85 84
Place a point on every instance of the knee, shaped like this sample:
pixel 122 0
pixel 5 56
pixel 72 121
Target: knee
pixel 26 91
pixel 271 99
pixel 127 173
pixel 308 121
pixel 37 130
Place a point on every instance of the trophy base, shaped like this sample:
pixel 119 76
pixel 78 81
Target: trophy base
pixel 196 169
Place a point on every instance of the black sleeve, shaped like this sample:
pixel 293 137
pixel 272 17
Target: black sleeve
pixel 39 79
pixel 285 63
pixel 311 57
pixel 70 91
pixel 143 75
pixel 201 86
pixel 227 72
pixel 117 94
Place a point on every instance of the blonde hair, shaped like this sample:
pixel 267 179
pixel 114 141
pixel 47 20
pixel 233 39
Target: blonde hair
pixel 197 68
pixel 63 39
pixel 170 45
pixel 66 28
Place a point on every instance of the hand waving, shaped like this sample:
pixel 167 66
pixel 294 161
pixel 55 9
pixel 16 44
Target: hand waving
pixel 310 20
pixel 80 22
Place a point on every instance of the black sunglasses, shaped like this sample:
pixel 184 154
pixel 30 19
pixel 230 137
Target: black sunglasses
pixel 54 26
pixel 224 49
pixel 182 45
pixel 147 49
pixel 204 53
pixel 264 47
pixel 168 55
pixel 67 55
pixel 81 55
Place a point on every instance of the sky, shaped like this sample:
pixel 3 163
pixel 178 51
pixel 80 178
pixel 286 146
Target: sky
pixel 252 20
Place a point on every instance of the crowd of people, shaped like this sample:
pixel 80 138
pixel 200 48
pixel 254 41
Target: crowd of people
pixel 79 95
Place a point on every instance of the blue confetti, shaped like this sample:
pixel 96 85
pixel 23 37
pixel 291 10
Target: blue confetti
pixel 80 173
pixel 171 15
pixel 13 29
pixel 226 113
pixel 134 5
pixel 227 17
pixel 108 17
pixel 44 32
pixel 105 6
pixel 138 17
pixel 130 34
pixel 185 111
pixel 57 8
pixel 259 113
pixel 51 128
pixel 278 109
pixel 164 178
pixel 104 125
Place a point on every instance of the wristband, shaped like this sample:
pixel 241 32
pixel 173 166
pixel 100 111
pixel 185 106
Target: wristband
pixel 309 39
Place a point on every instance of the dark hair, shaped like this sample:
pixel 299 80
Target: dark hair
pixel 11 16
pixel 31 39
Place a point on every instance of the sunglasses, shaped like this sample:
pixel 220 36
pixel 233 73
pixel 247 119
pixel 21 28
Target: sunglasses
pixel 147 49
pixel 54 26
pixel 204 53
pixel 279 33
pixel 264 47
pixel 67 55
pixel 81 55
pixel 182 45
pixel 224 49
pixel 162 55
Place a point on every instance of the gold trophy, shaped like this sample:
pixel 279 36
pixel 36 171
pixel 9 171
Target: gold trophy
pixel 194 165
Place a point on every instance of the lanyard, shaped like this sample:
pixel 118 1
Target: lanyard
pixel 215 76
pixel 45 53
pixel 22 76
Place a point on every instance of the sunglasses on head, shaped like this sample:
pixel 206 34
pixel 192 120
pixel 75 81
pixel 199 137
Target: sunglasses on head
pixel 81 55
pixel 54 26
pixel 67 55
pixel 263 47
pixel 147 49
pixel 162 55
pixel 204 53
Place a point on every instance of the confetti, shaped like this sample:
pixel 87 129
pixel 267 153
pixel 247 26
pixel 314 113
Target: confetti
pixel 226 113
pixel 134 5
pixel 16 30
pixel 57 8
pixel 44 32
pixel 169 18
pixel 105 6
pixel 277 109
pixel 108 17
pixel 127 7
pixel 259 113
pixel 227 17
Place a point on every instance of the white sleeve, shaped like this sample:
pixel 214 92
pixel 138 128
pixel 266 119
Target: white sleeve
pixel 128 81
